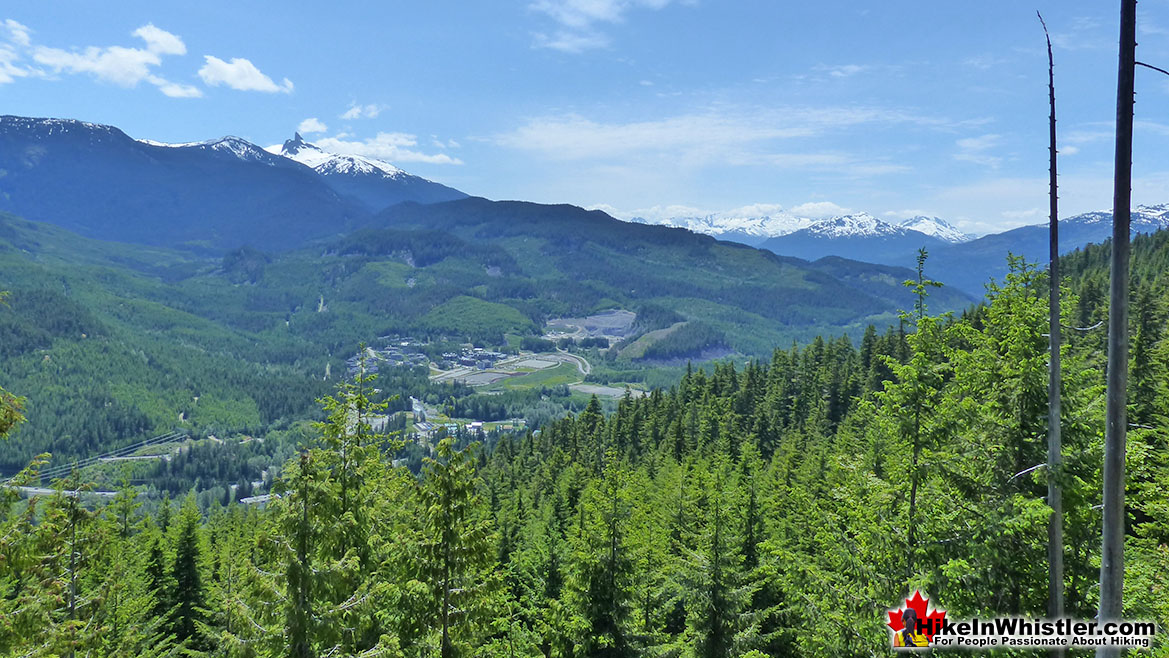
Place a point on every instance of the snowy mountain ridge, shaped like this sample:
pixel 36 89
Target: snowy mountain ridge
pixel 323 162
pixel 756 228
pixel 717 224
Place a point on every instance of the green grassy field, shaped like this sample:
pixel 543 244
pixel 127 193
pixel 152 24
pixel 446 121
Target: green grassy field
pixel 565 373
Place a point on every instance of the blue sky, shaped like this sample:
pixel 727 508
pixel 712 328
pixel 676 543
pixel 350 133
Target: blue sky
pixel 642 106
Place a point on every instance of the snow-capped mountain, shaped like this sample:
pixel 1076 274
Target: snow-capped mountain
pixel 856 225
pixel 325 163
pixel 375 183
pixel 968 266
pixel 754 229
pixel 222 193
pixel 859 236
pixel 936 227
pixel 229 146
pixel 737 227
pixel 1144 218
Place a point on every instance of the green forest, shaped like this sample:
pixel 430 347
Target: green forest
pixel 774 509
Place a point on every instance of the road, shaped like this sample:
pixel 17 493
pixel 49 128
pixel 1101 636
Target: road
pixel 581 363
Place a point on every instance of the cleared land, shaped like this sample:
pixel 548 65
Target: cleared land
pixel 605 391
pixel 615 323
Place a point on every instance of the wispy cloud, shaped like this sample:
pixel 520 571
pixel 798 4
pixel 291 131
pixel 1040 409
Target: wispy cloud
pixel 358 111
pixel 17 33
pixel 574 137
pixel 392 147
pixel 311 126
pixel 175 89
pixel 1088 134
pixel 985 62
pixel 843 70
pixel 819 210
pixel 725 136
pixel 579 21
pixel 977 150
pixel 10 68
pixel 660 213
pixel 240 74
pixel 119 65
pixel 571 42
pixel 1084 33
pixel 907 213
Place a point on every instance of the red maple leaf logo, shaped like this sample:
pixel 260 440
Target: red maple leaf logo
pixel 930 622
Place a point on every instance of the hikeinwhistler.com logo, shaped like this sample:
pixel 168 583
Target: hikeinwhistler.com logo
pixel 919 625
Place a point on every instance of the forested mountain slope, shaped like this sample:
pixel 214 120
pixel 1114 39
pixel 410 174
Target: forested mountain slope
pixel 781 508
pixel 113 342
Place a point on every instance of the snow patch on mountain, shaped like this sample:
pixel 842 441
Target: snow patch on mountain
pixel 936 227
pixel 327 163
pixel 1150 217
pixel 860 224
pixel 229 145
pixel 759 222
pixel 717 224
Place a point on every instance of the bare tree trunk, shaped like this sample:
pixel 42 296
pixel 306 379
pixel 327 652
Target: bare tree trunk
pixel 1112 550
pixel 1055 602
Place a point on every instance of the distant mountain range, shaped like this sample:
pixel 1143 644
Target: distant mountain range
pixel 861 236
pixel 755 229
pixel 466 266
pixel 968 266
pixel 957 259
pixel 224 193
pixel 221 193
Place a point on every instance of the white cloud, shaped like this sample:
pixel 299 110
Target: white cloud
pixel 17 33
pixel 174 89
pixel 440 144
pixel 660 213
pixel 1085 33
pixel 908 213
pixel 311 125
pixel 160 41
pixel 1029 214
pixel 572 42
pixel 9 70
pixel 728 136
pixel 578 20
pixel 819 209
pixel 575 137
pixel 241 75
pixel 392 147
pixel 976 150
pixel 119 65
pixel 843 71
pixel 357 111
pixel 985 62
pixel 125 67
pixel 1087 136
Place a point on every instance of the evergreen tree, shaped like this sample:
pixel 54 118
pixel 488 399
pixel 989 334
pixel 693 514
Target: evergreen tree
pixel 187 593
pixel 456 547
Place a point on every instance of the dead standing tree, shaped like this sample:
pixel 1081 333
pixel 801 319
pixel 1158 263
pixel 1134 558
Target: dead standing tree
pixel 1112 544
pixel 1055 593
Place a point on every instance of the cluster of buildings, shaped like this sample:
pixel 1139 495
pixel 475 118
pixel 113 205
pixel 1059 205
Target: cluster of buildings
pixel 428 428
pixel 471 357
pixel 394 355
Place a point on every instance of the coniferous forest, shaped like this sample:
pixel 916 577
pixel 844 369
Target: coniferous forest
pixel 774 509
